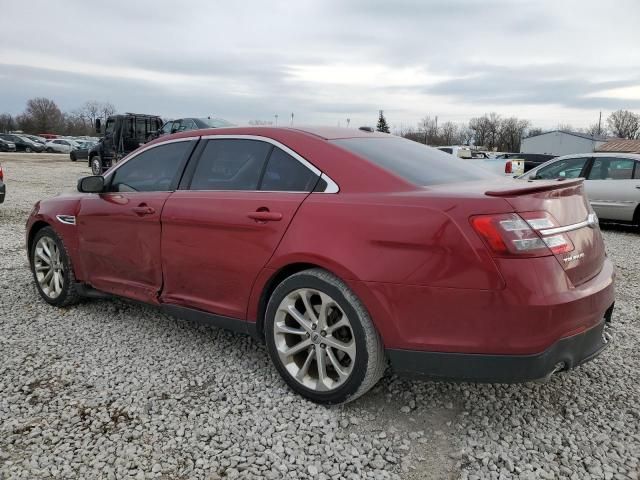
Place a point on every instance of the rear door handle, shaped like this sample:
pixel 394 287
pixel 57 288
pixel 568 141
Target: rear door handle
pixel 144 210
pixel 265 216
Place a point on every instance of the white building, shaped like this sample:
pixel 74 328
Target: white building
pixel 561 142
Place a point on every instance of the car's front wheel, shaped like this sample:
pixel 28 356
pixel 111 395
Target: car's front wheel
pixel 321 339
pixel 96 165
pixel 52 270
pixel 27 150
pixel 73 157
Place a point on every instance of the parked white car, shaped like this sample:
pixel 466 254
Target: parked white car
pixel 61 145
pixel 612 181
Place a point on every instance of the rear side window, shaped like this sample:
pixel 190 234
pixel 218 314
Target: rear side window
pixel 415 162
pixel 611 169
pixel 229 164
pixel 154 170
pixel 285 173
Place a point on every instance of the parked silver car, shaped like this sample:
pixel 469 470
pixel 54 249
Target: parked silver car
pixel 612 181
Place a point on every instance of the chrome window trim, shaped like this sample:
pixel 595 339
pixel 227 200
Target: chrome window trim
pixel 132 155
pixel 332 187
pixel 591 221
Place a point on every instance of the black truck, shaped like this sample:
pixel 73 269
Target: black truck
pixel 122 134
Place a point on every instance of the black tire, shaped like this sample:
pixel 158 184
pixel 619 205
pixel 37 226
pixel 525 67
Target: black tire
pixel 96 165
pixel 369 364
pixel 69 294
pixel 636 218
pixel 27 150
pixel 73 157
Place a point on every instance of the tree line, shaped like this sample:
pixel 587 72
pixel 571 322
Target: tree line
pixel 42 115
pixel 505 134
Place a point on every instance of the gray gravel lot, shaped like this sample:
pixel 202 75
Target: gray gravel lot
pixel 111 389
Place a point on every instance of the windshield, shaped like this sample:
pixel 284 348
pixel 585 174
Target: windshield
pixel 216 122
pixel 415 162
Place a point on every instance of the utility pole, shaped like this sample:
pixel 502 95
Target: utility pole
pixel 348 121
pixel 292 119
pixel 600 123
pixel 276 115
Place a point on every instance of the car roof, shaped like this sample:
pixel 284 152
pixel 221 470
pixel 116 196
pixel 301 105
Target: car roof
pixel 326 133
pixel 633 156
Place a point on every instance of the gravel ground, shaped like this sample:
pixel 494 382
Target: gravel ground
pixel 110 389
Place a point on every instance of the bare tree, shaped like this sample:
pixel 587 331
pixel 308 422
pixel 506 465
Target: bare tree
pixel 511 131
pixel 596 129
pixel 449 134
pixel 480 128
pixel 466 135
pixel 429 130
pixel 106 110
pixel 260 122
pixel 565 127
pixel 91 110
pixel 41 115
pixel 7 123
pixel 624 124
pixel 534 131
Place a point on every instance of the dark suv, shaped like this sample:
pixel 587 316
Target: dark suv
pixel 122 135
pixel 191 123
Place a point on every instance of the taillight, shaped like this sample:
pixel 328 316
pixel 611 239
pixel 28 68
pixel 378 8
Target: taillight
pixel 508 167
pixel 512 234
pixel 1 174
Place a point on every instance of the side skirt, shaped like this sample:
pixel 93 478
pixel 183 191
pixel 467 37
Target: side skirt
pixel 185 313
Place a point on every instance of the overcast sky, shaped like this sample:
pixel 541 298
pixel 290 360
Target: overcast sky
pixel 548 61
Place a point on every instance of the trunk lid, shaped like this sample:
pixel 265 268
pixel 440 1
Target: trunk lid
pixel 567 203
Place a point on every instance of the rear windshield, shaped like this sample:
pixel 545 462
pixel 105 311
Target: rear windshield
pixel 415 162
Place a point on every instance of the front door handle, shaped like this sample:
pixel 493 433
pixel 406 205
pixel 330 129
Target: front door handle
pixel 637 186
pixel 143 209
pixel 265 216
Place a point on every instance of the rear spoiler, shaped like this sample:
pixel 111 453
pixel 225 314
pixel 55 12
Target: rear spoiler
pixel 535 186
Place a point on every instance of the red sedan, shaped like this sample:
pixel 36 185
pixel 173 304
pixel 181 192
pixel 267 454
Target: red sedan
pixel 341 249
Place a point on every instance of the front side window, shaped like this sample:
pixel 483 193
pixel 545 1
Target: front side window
pixel 568 168
pixel 109 128
pixel 187 124
pixel 154 170
pixel 167 127
pixel 230 164
pixel 285 173
pixel 605 168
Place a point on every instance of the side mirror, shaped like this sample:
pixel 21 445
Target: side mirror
pixel 98 126
pixel 92 184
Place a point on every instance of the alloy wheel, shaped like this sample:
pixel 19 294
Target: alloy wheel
pixel 48 267
pixel 314 339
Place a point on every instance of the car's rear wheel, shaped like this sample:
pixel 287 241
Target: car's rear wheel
pixel 321 339
pixel 52 270
pixel 96 165
pixel 27 149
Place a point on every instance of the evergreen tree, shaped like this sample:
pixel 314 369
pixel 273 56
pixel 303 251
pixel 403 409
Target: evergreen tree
pixel 382 123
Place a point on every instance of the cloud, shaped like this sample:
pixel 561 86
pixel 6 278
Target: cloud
pixel 326 61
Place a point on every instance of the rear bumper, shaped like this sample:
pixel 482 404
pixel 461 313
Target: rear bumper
pixel 565 354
